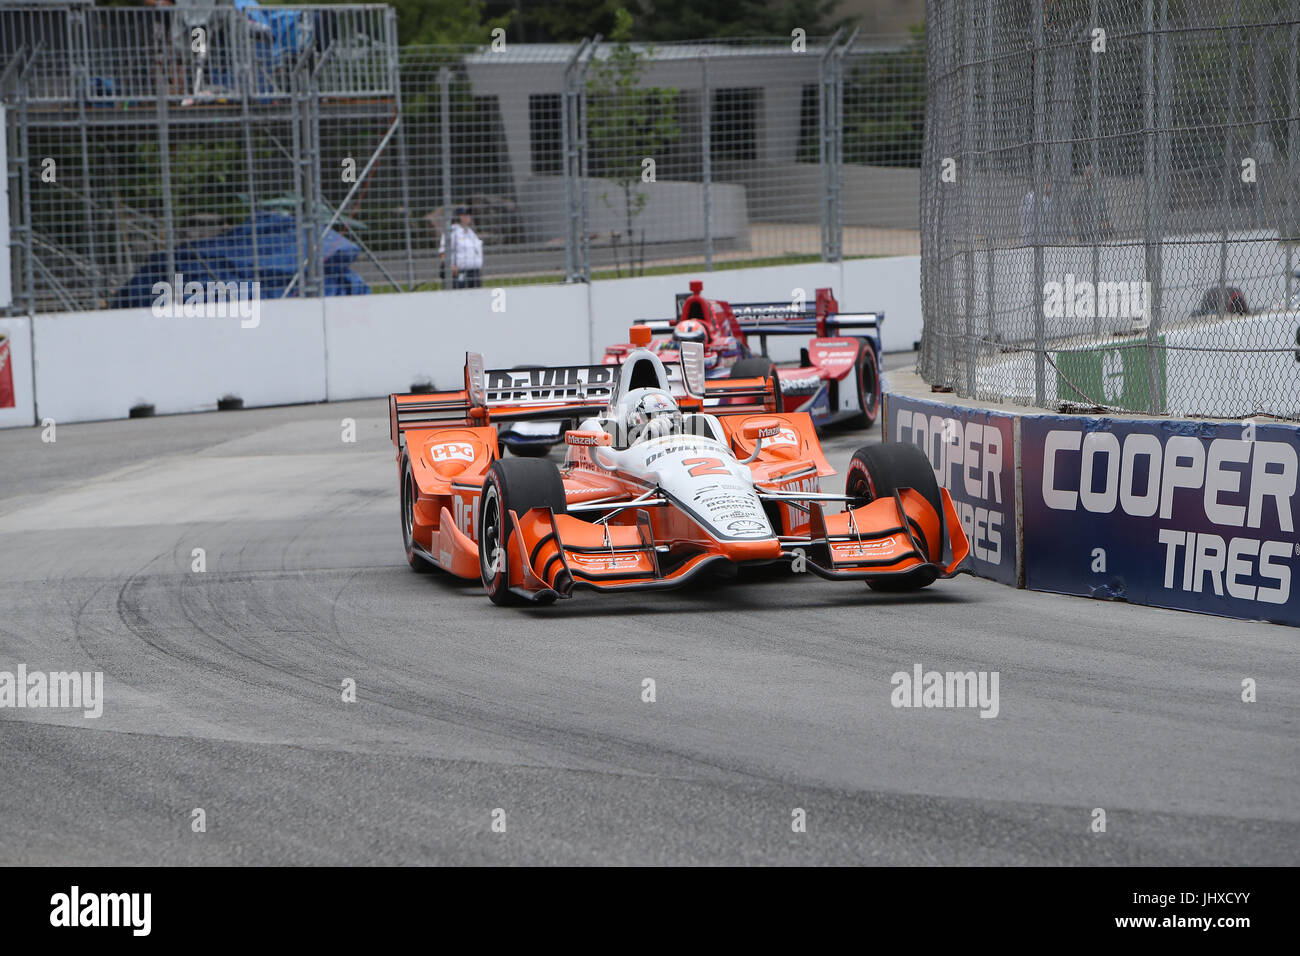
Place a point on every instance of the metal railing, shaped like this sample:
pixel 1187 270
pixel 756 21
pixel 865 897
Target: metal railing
pixel 1111 204
pixel 136 143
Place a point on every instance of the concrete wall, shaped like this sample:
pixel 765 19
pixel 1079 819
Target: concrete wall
pixel 381 344
pixel 877 196
pixel 97 365
pixel 673 211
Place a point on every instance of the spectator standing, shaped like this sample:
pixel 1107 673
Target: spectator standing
pixel 465 258
pixel 1047 220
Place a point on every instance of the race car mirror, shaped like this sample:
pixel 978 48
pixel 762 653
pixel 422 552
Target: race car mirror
pixel 474 379
pixel 763 428
pixel 758 430
pixel 590 439
pixel 691 357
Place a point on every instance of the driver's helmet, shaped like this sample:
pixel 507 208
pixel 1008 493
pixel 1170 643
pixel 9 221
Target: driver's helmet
pixel 691 330
pixel 645 413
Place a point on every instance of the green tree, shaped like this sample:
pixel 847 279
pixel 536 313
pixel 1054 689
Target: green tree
pixel 437 21
pixel 627 123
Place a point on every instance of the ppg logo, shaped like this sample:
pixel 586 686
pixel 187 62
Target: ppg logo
pixel 451 451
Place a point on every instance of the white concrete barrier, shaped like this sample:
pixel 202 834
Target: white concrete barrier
pixel 379 344
pixel 97 365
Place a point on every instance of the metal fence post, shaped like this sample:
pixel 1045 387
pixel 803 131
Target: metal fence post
pixel 1292 158
pixel 1094 160
pixel 988 169
pixel 313 160
pixel 837 197
pixel 826 150
pixel 967 191
pixel 249 167
pixel 444 124
pixel 706 150
pixel 1229 161
pixel 1156 221
pixel 78 49
pixel 395 84
pixel 1036 291
pixel 584 221
pixel 164 156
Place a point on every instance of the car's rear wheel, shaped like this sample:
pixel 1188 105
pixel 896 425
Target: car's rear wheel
pixel 759 367
pixel 866 373
pixel 408 495
pixel 877 471
pixel 518 485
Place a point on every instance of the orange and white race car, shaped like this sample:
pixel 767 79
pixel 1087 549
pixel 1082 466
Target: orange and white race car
pixel 654 491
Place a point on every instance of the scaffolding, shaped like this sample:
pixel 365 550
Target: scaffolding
pixel 136 131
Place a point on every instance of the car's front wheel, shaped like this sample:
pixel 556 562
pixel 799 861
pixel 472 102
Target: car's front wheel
pixel 512 484
pixel 877 471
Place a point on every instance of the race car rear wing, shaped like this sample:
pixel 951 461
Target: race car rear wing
pixel 821 317
pixel 543 394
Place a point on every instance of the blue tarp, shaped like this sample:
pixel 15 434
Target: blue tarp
pixel 229 258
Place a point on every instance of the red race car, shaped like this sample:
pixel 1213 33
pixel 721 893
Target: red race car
pixel 836 378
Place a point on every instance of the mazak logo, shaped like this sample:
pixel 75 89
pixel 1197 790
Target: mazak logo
pixel 74 908
pixel 967 459
pixel 1081 299
pixel 180 299
pixel 1234 484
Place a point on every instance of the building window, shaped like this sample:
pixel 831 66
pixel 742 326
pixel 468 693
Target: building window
pixel 735 123
pixel 546 132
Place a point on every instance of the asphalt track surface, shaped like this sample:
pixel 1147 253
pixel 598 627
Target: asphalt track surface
pixel 223 690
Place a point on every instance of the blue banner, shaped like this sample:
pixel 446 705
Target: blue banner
pixel 972 454
pixel 1195 516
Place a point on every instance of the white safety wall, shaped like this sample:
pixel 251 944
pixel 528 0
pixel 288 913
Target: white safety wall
pixel 97 365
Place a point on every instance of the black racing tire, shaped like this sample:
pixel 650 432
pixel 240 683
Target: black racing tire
pixel 406 495
pixel 877 471
pixel 760 367
pixel 516 484
pixel 866 373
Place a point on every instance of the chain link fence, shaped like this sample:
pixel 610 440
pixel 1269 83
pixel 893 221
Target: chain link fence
pixel 1111 204
pixel 301 147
